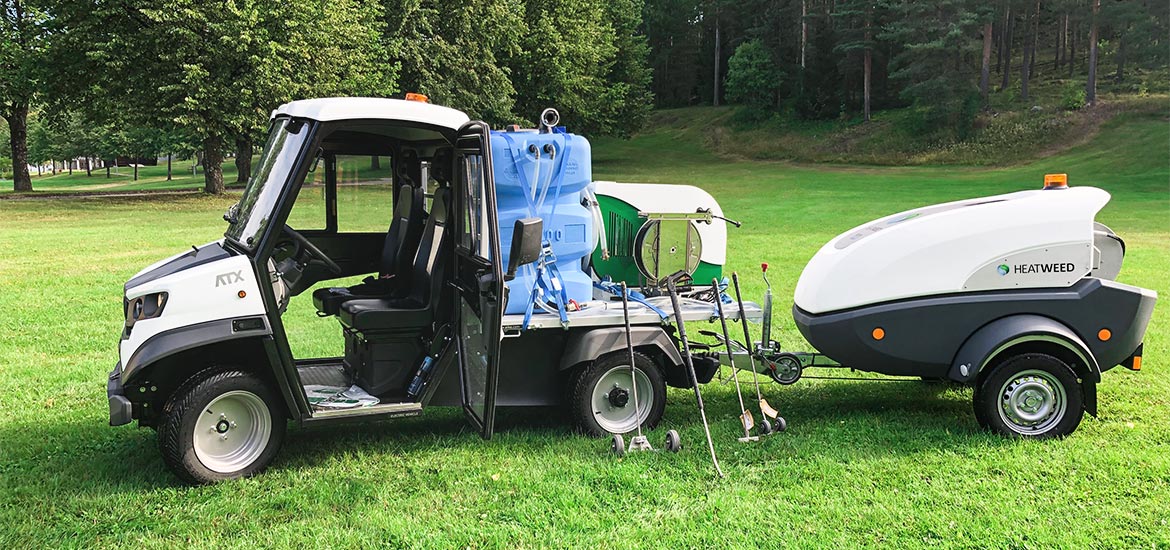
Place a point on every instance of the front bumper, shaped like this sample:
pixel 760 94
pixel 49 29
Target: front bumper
pixel 121 411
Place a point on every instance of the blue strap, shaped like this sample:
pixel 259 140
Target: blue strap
pixel 632 295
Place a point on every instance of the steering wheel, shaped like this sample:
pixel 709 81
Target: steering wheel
pixel 304 244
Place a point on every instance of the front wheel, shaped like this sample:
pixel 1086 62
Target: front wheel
pixel 1032 395
pixel 601 395
pixel 219 426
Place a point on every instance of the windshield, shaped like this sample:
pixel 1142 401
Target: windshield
pixel 250 216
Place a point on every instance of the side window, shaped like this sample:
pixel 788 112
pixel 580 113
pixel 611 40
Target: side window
pixel 365 193
pixel 474 216
pixel 308 212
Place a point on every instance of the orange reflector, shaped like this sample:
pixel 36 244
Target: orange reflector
pixel 1137 362
pixel 1104 335
pixel 879 333
pixel 411 96
pixel 1057 181
pixel 241 294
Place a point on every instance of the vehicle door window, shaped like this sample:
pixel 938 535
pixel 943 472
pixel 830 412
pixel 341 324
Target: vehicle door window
pixel 473 237
pixel 365 193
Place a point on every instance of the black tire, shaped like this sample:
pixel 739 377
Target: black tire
pixel 781 424
pixel 765 426
pixel 1008 383
pixel 187 405
pixel 581 386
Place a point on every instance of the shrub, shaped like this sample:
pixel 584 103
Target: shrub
pixel 1072 97
pixel 752 77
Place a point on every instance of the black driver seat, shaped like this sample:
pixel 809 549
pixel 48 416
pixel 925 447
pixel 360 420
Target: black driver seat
pixel 415 309
pixel 397 254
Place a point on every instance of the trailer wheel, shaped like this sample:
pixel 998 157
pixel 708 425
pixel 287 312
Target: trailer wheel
pixel 219 426
pixel 673 442
pixel 601 395
pixel 1032 395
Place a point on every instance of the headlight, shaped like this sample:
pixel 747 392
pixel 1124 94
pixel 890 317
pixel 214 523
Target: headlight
pixel 144 307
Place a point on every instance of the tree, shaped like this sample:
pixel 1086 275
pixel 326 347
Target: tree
pixel 1091 82
pixel 22 49
pixel 937 39
pixel 752 77
pixel 856 32
pixel 428 40
pixel 215 69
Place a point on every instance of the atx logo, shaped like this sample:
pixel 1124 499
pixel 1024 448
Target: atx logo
pixel 228 278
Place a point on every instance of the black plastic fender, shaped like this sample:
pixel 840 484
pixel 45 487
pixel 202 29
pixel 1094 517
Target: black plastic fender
pixel 1002 334
pixel 168 343
pixel 591 344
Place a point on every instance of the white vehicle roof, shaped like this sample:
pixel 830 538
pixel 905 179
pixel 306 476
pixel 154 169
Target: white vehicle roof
pixel 348 108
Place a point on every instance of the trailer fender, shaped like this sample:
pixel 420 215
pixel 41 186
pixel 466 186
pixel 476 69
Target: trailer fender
pixel 1027 333
pixel 589 345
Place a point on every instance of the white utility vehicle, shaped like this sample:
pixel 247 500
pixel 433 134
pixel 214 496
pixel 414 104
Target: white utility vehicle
pixel 205 357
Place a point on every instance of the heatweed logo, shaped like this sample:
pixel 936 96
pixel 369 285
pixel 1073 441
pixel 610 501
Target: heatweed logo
pixel 1003 269
pixel 1025 269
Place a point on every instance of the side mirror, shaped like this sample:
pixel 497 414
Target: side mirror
pixel 526 241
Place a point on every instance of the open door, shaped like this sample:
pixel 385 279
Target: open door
pixel 479 281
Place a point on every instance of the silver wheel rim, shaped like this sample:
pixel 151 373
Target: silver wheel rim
pixel 620 419
pixel 1032 402
pixel 232 431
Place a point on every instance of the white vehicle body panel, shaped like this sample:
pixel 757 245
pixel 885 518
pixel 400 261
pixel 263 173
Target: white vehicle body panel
pixel 675 199
pixel 354 108
pixel 207 292
pixel 1041 238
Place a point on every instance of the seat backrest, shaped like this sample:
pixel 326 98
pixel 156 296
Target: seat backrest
pixel 426 278
pixel 399 247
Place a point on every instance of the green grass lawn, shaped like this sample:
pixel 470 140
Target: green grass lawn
pixel 862 464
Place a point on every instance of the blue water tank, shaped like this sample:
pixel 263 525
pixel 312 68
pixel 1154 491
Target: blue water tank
pixel 545 175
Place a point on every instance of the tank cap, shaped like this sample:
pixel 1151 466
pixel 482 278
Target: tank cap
pixel 1056 181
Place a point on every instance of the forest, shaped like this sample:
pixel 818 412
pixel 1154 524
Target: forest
pixel 83 80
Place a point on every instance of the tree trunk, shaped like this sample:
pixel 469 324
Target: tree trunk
pixel 212 165
pixel 803 30
pixel 1032 67
pixel 1120 58
pixel 1026 64
pixel 88 167
pixel 168 166
pixel 18 143
pixel 868 66
pixel 243 159
pixel 1061 40
pixel 1072 50
pixel 375 163
pixel 1091 83
pixel 107 171
pixel 715 91
pixel 1007 54
pixel 985 74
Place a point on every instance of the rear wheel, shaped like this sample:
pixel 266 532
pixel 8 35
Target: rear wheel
pixel 601 395
pixel 1031 395
pixel 221 425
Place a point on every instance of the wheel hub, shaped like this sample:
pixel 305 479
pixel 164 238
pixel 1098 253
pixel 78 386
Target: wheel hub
pixel 1032 402
pixel 612 399
pixel 618 397
pixel 232 431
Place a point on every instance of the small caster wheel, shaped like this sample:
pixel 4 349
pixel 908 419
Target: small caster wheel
pixel 618 445
pixel 781 424
pixel 673 443
pixel 765 426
